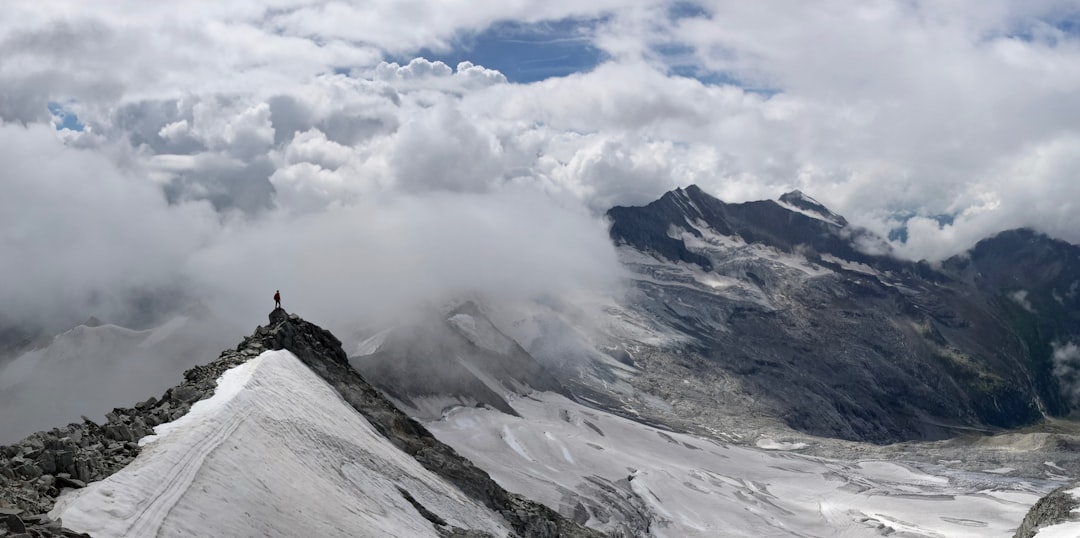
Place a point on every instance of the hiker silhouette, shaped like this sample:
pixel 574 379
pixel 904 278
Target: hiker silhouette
pixel 277 299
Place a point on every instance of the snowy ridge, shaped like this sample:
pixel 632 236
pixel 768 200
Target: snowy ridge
pixel 799 202
pixel 275 451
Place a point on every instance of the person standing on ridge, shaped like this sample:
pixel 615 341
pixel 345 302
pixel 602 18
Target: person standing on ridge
pixel 277 299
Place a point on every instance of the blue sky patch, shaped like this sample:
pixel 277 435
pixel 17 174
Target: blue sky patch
pixel 686 10
pixel 527 52
pixel 901 233
pixel 64 118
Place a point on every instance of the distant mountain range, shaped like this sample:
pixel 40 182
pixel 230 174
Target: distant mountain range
pixel 827 330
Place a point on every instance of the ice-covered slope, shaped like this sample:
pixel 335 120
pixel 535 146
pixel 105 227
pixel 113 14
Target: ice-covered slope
pixel 275 452
pixel 616 474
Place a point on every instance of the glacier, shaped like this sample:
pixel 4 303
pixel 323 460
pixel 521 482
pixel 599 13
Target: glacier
pixel 560 453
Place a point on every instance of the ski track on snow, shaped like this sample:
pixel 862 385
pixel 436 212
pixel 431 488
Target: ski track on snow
pixel 275 452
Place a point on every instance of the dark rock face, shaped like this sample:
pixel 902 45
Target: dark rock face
pixel 801 201
pixel 1054 508
pixel 851 344
pixel 34 471
pixel 764 222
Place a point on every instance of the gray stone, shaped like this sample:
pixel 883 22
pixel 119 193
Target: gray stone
pixel 14 524
pixel 28 471
pixel 65 459
pixel 140 429
pixel 67 482
pixel 82 468
pixel 46 461
pixel 186 394
pixel 119 432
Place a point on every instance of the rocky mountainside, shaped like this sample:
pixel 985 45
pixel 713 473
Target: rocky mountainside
pixel 1054 508
pixel 797 314
pixel 36 470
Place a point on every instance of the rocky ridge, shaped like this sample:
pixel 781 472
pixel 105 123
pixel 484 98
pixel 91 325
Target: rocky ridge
pixel 36 470
pixel 782 310
pixel 1054 508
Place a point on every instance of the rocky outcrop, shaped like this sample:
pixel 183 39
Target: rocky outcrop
pixel 1054 508
pixel 34 471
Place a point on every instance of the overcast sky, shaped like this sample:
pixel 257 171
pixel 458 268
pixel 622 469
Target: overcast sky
pixel 359 152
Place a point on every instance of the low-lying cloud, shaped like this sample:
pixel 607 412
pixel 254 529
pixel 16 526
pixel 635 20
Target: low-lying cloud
pixel 1066 358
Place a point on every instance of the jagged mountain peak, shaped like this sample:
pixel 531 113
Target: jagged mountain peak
pixel 797 224
pixel 799 201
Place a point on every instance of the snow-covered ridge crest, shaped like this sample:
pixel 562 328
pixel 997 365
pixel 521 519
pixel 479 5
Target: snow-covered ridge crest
pixel 255 430
pixel 311 465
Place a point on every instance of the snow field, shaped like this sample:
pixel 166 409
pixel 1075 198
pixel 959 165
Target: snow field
pixel 700 488
pixel 275 452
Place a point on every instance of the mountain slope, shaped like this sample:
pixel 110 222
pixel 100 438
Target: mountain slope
pixel 301 418
pixel 619 475
pixel 275 451
pixel 813 321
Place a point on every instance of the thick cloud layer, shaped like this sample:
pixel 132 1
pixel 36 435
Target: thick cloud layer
pixel 292 138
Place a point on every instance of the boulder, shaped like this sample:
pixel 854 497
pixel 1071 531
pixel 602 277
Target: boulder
pixel 14 524
pixel 28 471
pixel 278 315
pixel 67 482
pixel 186 394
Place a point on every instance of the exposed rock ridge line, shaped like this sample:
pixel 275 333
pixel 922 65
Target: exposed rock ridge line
pixel 1054 508
pixel 34 471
